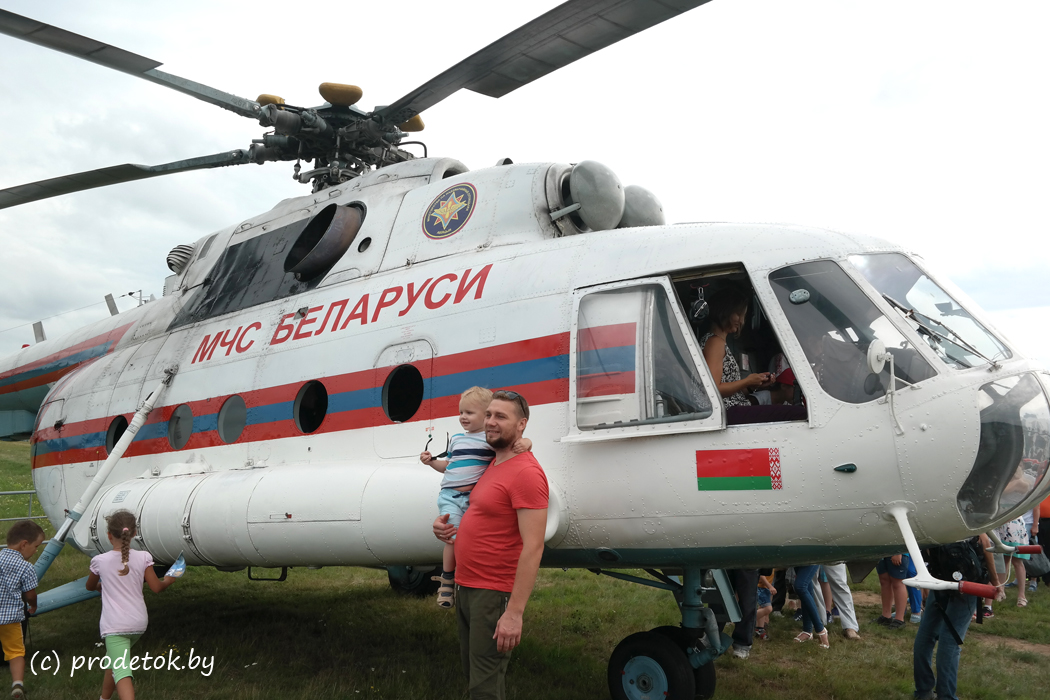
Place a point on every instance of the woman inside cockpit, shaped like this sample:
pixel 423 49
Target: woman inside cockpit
pixel 728 310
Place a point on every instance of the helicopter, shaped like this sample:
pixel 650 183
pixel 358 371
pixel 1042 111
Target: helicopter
pixel 346 321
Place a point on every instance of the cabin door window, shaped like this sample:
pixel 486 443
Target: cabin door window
pixel 635 366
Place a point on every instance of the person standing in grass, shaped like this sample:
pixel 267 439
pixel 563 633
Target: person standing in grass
pixel 498 549
pixel 119 575
pixel 17 586
pixel 1015 534
pixel 813 623
pixel 842 599
pixel 948 614
pixel 892 571
pixel 764 606
pixel 468 456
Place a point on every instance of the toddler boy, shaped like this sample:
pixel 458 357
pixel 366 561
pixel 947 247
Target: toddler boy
pixel 17 583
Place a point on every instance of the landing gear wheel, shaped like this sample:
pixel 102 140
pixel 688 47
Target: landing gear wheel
pixel 648 665
pixel 703 677
pixel 416 582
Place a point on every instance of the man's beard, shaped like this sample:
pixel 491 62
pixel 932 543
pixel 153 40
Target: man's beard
pixel 499 442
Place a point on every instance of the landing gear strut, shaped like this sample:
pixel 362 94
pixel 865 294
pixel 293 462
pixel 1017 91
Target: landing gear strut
pixel 673 663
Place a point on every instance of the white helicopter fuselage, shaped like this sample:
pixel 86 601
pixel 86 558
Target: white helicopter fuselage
pixel 496 304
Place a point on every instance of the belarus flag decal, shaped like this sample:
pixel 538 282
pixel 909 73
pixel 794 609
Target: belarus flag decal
pixel 739 470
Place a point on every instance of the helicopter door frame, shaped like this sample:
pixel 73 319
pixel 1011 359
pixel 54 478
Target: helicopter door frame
pixel 715 421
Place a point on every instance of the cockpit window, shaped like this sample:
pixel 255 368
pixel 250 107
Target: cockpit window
pixel 1013 452
pixel 632 363
pixel 957 338
pixel 835 322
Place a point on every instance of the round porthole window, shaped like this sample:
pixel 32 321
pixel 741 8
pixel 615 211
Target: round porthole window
pixel 311 406
pixel 232 417
pixel 402 393
pixel 180 427
pixel 115 432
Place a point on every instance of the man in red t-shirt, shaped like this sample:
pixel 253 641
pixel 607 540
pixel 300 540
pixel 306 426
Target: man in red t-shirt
pixel 499 544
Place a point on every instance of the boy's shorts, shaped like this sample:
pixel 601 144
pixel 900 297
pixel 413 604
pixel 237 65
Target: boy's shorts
pixel 765 598
pixel 11 638
pixel 454 504
pixel 885 566
pixel 118 651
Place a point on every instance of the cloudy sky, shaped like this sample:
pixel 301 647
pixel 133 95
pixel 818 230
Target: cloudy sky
pixel 922 121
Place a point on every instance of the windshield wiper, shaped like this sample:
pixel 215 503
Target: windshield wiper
pixel 957 340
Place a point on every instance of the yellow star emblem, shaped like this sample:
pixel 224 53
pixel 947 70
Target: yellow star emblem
pixel 447 211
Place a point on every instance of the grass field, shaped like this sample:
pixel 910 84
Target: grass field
pixel 342 633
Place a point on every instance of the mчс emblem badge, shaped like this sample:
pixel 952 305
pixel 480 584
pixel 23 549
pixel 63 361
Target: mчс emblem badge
pixel 450 211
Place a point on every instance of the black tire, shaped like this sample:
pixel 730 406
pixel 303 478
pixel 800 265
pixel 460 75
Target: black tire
pixel 416 581
pixel 704 680
pixel 703 677
pixel 647 663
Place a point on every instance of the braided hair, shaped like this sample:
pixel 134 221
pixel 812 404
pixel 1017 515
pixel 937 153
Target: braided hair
pixel 121 526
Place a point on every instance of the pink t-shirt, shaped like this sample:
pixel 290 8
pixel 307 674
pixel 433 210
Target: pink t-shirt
pixel 123 606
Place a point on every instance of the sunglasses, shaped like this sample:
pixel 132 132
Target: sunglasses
pixel 507 395
pixel 448 443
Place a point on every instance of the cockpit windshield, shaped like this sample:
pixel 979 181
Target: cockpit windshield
pixel 957 338
pixel 835 323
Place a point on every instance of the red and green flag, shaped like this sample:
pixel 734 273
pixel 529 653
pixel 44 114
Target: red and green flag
pixel 739 470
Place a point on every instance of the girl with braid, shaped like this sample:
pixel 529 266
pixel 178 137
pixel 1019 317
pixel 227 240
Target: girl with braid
pixel 119 575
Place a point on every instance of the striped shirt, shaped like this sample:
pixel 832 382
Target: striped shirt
pixel 17 576
pixel 468 457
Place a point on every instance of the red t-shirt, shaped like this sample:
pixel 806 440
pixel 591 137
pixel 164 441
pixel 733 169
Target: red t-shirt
pixel 488 543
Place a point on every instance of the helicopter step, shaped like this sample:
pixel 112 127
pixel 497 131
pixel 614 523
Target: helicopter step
pixel 676 663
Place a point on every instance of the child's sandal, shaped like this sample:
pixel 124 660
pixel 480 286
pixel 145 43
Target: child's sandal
pixel 446 597
pixel 823 639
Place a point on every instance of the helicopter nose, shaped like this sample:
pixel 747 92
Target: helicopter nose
pixel 1012 453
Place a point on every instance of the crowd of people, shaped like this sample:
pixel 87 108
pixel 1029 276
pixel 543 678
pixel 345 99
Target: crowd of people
pixel 822 596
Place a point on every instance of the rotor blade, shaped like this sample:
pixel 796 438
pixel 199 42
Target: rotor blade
pixel 88 49
pixel 22 194
pixel 566 33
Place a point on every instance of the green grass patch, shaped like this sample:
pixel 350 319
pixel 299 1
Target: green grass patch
pixel 342 633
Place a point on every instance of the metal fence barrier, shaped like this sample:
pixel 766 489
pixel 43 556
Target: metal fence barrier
pixel 29 511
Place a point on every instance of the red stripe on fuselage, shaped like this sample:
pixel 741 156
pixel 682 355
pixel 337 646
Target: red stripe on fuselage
pixel 94 425
pixel 537 393
pixel 523 351
pixel 605 384
pixel 612 336
pixel 113 336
